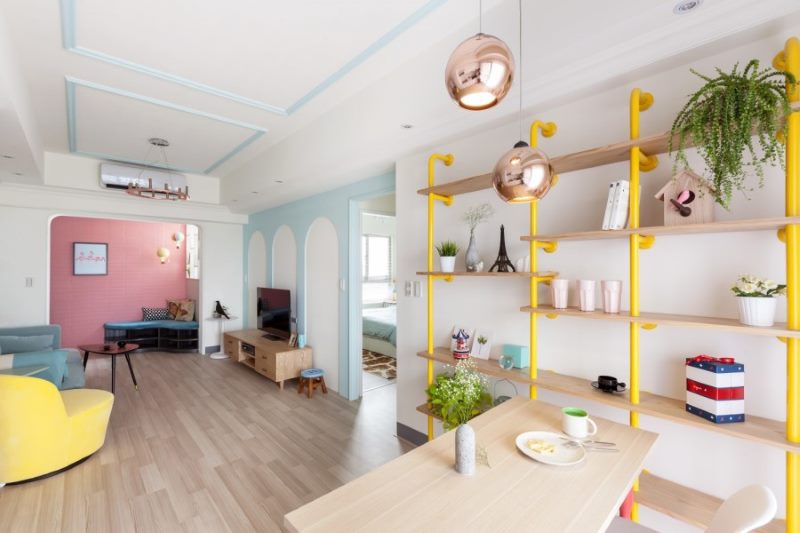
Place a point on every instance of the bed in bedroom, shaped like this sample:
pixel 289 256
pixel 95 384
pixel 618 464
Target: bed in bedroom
pixel 379 330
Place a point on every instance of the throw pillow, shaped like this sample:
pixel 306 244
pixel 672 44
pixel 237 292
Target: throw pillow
pixel 20 344
pixel 154 313
pixel 182 310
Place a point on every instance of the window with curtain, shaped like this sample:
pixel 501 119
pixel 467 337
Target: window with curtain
pixel 376 258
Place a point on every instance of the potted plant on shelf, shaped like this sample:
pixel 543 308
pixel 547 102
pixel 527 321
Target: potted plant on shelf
pixel 447 254
pixel 474 216
pixel 733 120
pixel 756 298
pixel 457 396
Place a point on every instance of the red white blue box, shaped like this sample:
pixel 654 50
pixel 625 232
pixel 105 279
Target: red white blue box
pixel 715 389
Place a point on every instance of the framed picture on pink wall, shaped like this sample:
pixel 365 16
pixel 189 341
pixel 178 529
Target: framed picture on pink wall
pixel 89 258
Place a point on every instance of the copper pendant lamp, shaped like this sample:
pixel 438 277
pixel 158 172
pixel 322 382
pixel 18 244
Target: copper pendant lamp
pixel 523 174
pixel 480 71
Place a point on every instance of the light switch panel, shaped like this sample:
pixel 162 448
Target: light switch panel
pixel 29 282
pixel 408 288
pixel 417 289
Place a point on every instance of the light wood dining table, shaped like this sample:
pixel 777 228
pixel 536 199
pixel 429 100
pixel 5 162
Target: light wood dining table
pixel 421 491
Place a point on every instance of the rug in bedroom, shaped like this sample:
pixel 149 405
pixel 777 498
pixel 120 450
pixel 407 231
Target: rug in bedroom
pixel 380 365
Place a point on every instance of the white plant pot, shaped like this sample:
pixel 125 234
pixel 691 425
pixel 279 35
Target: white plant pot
pixel 756 311
pixel 448 263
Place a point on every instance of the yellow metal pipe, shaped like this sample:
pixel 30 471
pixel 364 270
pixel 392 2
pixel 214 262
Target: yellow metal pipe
pixel 447 160
pixel 789 60
pixel 548 129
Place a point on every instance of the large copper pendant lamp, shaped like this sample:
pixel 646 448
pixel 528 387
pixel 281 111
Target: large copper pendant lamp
pixel 523 174
pixel 480 71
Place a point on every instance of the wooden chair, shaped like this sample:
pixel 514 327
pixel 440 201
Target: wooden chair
pixel 751 507
pixel 312 378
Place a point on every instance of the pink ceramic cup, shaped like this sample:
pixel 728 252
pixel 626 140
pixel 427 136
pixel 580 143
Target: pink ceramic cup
pixel 559 290
pixel 586 289
pixel 612 295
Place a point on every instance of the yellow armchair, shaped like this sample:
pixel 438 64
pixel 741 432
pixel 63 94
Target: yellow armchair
pixel 44 430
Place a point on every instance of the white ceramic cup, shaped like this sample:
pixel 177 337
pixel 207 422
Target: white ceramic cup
pixel 575 422
pixel 559 289
pixel 586 289
pixel 612 295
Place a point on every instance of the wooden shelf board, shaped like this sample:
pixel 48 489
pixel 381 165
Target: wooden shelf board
pixel 425 410
pixel 492 274
pixel 684 503
pixel 593 157
pixel 686 229
pixel 757 429
pixel 689 321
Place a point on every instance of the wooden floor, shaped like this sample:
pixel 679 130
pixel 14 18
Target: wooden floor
pixel 207 445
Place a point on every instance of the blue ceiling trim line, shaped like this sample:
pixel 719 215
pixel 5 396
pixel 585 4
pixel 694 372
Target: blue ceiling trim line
pixel 71 135
pixel 371 50
pixel 72 83
pixel 68 16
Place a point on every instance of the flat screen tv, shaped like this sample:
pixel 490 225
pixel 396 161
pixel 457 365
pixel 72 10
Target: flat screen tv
pixel 274 313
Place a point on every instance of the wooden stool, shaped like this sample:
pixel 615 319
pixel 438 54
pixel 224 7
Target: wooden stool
pixel 312 378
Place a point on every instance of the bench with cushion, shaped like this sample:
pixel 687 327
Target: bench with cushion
pixel 161 335
pixel 36 346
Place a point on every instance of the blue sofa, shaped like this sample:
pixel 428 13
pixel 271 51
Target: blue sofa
pixel 65 367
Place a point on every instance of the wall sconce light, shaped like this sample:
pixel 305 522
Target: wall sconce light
pixel 178 238
pixel 162 254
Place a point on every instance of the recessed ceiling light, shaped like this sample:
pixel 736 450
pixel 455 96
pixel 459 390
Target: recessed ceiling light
pixel 406 126
pixel 253 192
pixel 234 200
pixel 18 173
pixel 6 156
pixel 278 181
pixel 685 6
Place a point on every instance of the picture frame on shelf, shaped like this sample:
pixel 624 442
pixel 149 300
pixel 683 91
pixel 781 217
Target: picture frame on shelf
pixel 89 259
pixel 482 344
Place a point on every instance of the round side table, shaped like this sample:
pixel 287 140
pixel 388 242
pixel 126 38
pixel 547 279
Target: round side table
pixel 221 321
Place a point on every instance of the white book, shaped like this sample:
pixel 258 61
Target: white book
pixel 607 215
pixel 619 210
pixel 614 203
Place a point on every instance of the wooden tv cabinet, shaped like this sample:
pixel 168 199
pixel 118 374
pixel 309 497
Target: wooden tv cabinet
pixel 275 360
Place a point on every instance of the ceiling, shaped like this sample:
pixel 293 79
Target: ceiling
pixel 265 94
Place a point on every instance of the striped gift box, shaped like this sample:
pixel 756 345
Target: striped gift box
pixel 715 389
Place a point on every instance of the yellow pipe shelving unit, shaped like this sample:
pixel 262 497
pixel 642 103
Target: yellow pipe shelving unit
pixel 788 60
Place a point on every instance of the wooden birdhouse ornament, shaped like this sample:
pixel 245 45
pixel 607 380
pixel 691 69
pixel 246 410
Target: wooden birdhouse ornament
pixel 688 199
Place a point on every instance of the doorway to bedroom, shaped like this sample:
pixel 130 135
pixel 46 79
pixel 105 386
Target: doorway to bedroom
pixel 378 295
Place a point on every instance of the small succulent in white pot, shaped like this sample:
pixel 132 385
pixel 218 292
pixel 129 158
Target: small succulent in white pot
pixel 756 298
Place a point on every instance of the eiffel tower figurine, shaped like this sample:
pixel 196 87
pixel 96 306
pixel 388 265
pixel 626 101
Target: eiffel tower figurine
pixel 503 263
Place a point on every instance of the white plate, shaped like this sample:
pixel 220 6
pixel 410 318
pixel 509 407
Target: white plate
pixel 562 456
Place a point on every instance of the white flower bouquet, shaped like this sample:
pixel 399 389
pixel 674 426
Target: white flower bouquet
pixel 754 287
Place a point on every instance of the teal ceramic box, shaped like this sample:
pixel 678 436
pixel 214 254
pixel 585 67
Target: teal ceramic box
pixel 518 353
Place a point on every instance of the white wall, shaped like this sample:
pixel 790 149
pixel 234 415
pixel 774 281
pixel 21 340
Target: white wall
pixel 322 309
pixel 687 275
pixel 256 273
pixel 284 263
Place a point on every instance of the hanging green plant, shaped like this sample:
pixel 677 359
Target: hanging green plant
pixel 733 120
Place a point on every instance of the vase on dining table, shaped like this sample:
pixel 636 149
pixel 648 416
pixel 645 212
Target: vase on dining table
pixel 465 450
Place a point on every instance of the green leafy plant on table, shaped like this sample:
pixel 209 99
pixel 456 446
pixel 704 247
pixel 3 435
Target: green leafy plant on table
pixel 447 249
pixel 459 394
pixel 733 120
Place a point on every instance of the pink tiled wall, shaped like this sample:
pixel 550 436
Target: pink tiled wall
pixel 136 278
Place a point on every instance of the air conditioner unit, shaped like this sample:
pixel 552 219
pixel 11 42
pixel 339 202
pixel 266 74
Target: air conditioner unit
pixel 116 176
